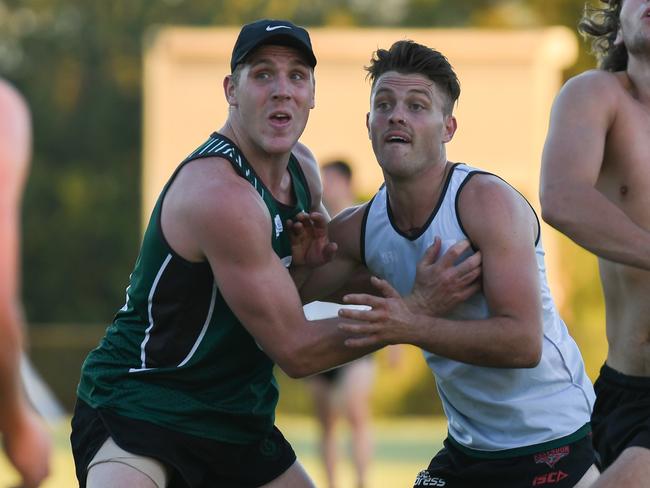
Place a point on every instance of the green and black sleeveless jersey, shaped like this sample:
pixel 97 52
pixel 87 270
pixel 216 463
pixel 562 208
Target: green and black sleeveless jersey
pixel 175 354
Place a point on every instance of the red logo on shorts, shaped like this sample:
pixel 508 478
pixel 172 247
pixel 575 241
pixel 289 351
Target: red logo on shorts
pixel 553 456
pixel 550 478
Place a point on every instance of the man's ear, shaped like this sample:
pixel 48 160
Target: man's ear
pixel 368 124
pixel 618 40
pixel 313 93
pixel 450 128
pixel 230 90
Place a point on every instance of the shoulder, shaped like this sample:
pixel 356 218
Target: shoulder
pixel 487 203
pixel 350 216
pixel 11 99
pixel 480 188
pixel 594 87
pixel 345 229
pixel 15 134
pixel 209 190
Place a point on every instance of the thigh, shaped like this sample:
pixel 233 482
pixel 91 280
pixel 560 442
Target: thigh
pixel 111 474
pixel 631 470
pixel 294 477
pixel 358 378
pixel 113 466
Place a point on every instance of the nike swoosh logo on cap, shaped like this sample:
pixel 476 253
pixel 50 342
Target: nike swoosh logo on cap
pixel 269 28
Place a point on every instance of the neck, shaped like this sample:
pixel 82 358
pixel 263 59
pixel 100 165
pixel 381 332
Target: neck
pixel 413 200
pixel 270 167
pixel 638 70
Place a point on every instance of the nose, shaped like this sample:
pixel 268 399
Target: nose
pixel 281 88
pixel 397 116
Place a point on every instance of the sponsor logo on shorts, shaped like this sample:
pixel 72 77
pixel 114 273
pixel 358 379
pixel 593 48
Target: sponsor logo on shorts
pixel 425 479
pixel 550 478
pixel 553 456
pixel 268 447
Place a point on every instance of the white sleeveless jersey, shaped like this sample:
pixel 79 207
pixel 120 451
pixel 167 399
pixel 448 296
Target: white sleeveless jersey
pixel 488 409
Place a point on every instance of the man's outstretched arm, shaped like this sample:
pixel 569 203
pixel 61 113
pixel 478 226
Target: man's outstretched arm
pixel 25 440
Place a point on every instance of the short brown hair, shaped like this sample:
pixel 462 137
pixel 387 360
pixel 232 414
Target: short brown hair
pixel 409 57
pixel 601 25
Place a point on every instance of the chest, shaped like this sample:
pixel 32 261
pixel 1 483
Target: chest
pixel 625 173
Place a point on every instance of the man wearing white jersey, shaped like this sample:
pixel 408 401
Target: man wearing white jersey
pixel 511 379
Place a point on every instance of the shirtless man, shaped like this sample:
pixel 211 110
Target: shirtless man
pixel 595 188
pixel 25 440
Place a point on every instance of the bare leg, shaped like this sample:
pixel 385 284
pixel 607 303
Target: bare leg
pixel 631 470
pixel 358 380
pixel 113 473
pixel 324 395
pixel 294 477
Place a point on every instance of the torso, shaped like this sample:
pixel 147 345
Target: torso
pixel 485 406
pixel 177 344
pixel 625 180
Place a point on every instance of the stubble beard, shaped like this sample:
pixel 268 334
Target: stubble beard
pixel 638 46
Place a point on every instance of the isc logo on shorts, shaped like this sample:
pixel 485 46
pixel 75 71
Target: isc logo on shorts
pixel 425 479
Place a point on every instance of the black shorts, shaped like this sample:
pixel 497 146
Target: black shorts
pixel 560 467
pixel 621 416
pixel 193 462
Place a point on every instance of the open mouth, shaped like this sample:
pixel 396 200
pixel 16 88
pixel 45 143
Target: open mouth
pixel 397 138
pixel 280 117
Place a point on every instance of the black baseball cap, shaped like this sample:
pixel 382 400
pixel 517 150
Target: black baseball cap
pixel 267 31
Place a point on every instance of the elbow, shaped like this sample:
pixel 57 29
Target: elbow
pixel 552 210
pixel 530 359
pixel 556 205
pixel 295 371
pixel 530 354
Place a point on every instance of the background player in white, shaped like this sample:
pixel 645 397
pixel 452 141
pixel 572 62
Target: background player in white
pixel 346 389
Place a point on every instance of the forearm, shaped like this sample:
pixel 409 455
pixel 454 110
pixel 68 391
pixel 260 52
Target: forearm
pixel 496 342
pixel 318 347
pixel 588 218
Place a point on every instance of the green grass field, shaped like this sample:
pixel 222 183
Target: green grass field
pixel 403 446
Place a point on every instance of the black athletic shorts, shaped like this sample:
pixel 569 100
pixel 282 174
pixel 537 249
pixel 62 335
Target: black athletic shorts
pixel 621 416
pixel 193 462
pixel 560 467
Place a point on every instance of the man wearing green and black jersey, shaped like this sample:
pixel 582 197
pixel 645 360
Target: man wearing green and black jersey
pixel 180 392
